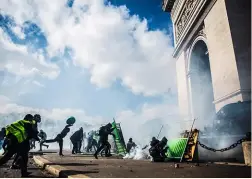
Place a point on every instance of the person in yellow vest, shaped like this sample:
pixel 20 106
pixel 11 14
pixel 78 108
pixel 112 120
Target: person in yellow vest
pixel 18 133
pixel 28 147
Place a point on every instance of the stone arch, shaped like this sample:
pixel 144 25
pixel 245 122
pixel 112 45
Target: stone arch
pixel 200 80
pixel 196 40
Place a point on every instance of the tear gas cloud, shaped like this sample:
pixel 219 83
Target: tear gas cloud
pixel 138 153
pixel 202 96
pixel 52 127
pixel 143 128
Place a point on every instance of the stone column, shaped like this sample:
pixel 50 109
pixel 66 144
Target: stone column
pixel 190 75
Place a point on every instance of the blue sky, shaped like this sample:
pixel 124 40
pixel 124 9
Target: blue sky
pixel 73 87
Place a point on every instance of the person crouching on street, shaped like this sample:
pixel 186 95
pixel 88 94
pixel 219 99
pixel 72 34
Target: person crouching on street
pixel 43 138
pixel 76 139
pixel 36 119
pixel 18 134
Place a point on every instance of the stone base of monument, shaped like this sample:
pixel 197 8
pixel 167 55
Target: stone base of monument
pixel 246 146
pixel 234 155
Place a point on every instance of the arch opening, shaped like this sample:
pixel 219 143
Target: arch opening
pixel 202 95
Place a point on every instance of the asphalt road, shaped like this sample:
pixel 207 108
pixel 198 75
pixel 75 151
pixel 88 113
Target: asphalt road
pixel 6 172
pixel 121 168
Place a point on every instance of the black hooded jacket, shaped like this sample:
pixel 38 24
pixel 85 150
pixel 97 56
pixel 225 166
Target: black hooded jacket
pixel 77 136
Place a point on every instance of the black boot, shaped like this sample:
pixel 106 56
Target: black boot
pixel 95 155
pixel 25 174
pixel 14 166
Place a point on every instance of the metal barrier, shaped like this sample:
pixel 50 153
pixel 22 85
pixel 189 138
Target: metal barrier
pixel 184 149
pixel 176 148
pixel 191 150
pixel 118 139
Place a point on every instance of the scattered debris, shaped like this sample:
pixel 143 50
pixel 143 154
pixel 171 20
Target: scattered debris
pixel 176 165
pixel 131 170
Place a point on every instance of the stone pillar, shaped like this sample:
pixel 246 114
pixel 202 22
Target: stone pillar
pixel 190 75
pixel 225 76
pixel 246 146
pixel 182 86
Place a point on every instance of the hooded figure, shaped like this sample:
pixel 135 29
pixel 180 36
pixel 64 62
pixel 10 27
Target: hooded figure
pixel 130 144
pixel 76 139
pixel 43 138
pixel 103 141
pixel 158 150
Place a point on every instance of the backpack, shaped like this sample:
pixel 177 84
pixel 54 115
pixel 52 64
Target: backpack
pixel 101 131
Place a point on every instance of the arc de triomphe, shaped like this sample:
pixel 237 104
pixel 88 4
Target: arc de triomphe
pixel 212 53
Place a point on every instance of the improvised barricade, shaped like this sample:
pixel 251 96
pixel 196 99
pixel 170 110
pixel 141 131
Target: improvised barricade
pixel 184 149
pixel 118 139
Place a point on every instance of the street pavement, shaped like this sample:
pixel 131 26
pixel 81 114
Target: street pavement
pixel 6 172
pixel 124 168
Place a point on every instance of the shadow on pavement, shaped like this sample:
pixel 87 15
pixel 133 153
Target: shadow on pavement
pixel 35 176
pixel 70 164
pixel 64 173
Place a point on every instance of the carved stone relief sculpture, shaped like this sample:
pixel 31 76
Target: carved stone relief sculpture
pixel 185 16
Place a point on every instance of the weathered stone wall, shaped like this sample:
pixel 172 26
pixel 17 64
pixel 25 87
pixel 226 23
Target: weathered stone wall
pixel 223 64
pixel 227 27
pixel 239 17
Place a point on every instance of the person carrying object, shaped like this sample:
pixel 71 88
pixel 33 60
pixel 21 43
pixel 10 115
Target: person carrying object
pixel 59 138
pixel 158 150
pixel 103 141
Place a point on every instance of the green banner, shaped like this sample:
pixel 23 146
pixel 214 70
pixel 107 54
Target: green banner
pixel 176 148
pixel 119 140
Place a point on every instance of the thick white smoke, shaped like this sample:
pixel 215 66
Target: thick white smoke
pixel 138 153
pixel 203 108
pixel 52 128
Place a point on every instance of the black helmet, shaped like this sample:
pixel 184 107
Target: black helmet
pixel 153 138
pixel 130 139
pixel 37 118
pixel 28 117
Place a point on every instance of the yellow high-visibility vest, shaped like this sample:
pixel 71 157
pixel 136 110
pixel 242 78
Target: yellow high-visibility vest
pixel 17 129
